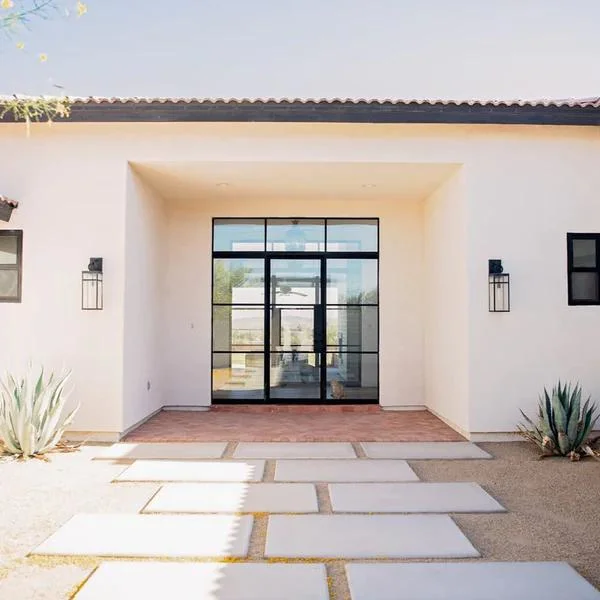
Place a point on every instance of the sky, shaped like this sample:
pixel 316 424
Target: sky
pixel 453 49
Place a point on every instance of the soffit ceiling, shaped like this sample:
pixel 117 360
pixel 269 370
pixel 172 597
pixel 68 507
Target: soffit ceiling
pixel 193 182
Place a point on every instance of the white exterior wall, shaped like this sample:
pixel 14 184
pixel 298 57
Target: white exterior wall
pixel 523 199
pixel 72 201
pixel 145 250
pixel 523 188
pixel 446 323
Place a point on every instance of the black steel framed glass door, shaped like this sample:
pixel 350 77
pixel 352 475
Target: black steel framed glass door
pixel 295 328
pixel 295 310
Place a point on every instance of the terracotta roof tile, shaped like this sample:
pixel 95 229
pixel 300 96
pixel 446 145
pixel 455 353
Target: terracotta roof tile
pixel 568 102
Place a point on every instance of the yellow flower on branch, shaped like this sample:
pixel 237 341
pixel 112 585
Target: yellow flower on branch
pixel 20 45
pixel 81 8
pixel 7 4
pixel 43 57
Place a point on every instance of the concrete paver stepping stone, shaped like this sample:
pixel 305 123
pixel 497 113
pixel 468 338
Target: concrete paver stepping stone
pixel 468 581
pixel 185 470
pixel 412 498
pixel 234 498
pixel 205 581
pixel 157 451
pixel 344 470
pixel 366 536
pixel 166 536
pixel 423 450
pixel 294 450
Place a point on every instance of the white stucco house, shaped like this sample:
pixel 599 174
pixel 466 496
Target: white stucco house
pixel 282 251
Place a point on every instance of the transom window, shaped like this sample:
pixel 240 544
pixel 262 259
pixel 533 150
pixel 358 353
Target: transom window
pixel 295 235
pixel 583 268
pixel 11 247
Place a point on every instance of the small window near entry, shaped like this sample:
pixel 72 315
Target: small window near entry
pixel 583 268
pixel 11 245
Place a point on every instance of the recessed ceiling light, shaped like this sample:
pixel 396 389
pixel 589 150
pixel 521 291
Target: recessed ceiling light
pixel 369 185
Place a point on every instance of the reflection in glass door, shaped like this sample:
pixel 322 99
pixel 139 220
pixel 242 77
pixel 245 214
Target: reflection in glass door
pixel 295 310
pixel 296 328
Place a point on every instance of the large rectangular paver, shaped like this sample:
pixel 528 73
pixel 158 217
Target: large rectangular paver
pixel 207 581
pixel 468 581
pixel 411 498
pixel 294 450
pixel 167 536
pixel 235 498
pixel 423 450
pixel 366 536
pixel 157 451
pixel 167 470
pixel 344 470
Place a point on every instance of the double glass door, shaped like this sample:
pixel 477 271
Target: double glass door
pixel 295 327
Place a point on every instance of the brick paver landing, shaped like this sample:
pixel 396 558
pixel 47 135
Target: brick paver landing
pixel 294 424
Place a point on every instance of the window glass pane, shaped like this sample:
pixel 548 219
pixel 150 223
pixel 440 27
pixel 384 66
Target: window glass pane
pixel 352 376
pixel 238 281
pixel 8 249
pixel 238 328
pixel 238 377
pixel 239 235
pixel 352 281
pixel 295 376
pixel 352 329
pixel 584 253
pixel 9 283
pixel 293 329
pixel 584 287
pixel 295 235
pixel 295 281
pixel 351 235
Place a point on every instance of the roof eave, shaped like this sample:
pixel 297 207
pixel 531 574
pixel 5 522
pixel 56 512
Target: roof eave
pixel 277 111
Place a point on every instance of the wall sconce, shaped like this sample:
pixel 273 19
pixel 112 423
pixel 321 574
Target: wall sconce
pixel 92 286
pixel 498 287
pixel 6 207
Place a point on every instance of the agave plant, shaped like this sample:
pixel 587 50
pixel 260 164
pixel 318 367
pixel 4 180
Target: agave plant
pixel 32 419
pixel 564 426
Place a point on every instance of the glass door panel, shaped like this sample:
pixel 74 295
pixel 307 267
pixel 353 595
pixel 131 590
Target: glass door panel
pixel 296 324
pixel 295 376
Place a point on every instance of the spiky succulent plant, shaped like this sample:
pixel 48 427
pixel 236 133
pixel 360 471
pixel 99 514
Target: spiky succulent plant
pixel 32 419
pixel 563 426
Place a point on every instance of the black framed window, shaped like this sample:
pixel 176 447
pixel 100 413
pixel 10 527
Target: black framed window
pixel 583 266
pixel 11 262
pixel 295 309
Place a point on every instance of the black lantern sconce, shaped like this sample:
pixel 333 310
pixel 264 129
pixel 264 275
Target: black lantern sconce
pixel 92 286
pixel 498 287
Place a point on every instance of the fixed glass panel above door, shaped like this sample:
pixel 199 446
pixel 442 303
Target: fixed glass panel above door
pixel 352 235
pixel 239 235
pixel 295 235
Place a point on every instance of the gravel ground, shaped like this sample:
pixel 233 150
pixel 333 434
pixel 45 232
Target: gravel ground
pixel 37 497
pixel 554 513
pixel 553 506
